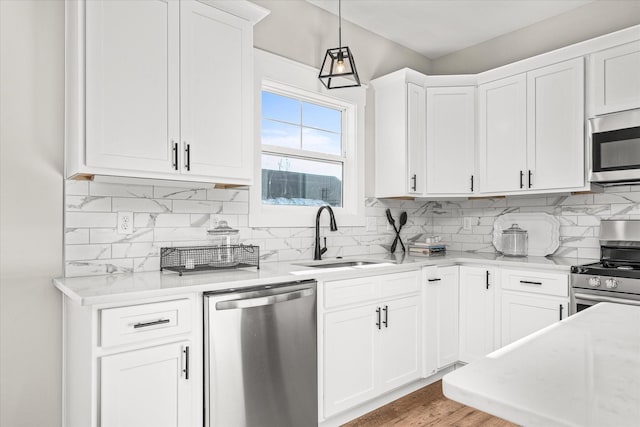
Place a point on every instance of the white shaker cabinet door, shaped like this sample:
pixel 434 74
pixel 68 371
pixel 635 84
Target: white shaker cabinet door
pixel 615 79
pixel 146 388
pixel 132 84
pixel 451 128
pixel 216 77
pixel 416 138
pixel 349 360
pixel 476 312
pixel 502 115
pixel 524 314
pixel 555 126
pixel 399 345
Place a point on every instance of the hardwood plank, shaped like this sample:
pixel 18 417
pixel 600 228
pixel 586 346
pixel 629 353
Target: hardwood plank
pixel 427 407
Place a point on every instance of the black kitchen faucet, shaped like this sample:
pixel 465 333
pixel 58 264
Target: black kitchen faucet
pixel 317 253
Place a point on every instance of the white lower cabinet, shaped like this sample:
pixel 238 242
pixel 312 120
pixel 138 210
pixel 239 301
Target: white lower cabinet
pixel 147 387
pixel 135 364
pixel 524 314
pixel 371 347
pixel 530 301
pixel 441 343
pixel 477 312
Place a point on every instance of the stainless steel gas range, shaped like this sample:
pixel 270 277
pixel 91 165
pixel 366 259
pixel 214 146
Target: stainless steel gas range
pixel 616 278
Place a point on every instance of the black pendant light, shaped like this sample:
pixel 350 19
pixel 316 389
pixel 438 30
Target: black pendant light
pixel 339 68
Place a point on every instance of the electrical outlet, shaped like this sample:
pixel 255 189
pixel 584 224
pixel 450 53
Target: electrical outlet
pixel 466 224
pixel 371 223
pixel 125 222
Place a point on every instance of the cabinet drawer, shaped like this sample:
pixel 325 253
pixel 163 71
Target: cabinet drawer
pixel 536 282
pixel 400 284
pixel 124 325
pixel 351 291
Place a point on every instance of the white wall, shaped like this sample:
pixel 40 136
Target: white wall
pixel 586 22
pixel 31 148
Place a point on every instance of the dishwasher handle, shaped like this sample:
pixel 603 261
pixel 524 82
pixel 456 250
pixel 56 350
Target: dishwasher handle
pixel 266 300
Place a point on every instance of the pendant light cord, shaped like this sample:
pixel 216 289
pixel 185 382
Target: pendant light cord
pixel 339 23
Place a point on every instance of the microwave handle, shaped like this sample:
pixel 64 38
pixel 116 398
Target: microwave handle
pixel 606 299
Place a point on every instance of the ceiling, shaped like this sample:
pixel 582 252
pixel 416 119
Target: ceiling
pixel 436 28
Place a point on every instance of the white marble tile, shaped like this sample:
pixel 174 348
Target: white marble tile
pixel 179 234
pixel 87 252
pixel 151 263
pixel 76 236
pixel 119 204
pixel 197 206
pixel 87 204
pixel 120 190
pixel 90 219
pixel 180 193
pixel 151 220
pixel 110 235
pixel 235 208
pixel 228 195
pixel 73 187
pixel 135 250
pixel 98 267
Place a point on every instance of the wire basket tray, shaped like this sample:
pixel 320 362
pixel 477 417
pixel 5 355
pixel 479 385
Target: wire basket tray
pixel 190 259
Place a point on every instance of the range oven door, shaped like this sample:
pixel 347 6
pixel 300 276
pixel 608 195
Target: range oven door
pixel 585 298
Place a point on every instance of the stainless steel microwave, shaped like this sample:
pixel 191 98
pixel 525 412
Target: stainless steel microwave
pixel 615 147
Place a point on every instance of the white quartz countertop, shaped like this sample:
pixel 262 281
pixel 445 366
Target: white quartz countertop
pixel 582 371
pixel 89 290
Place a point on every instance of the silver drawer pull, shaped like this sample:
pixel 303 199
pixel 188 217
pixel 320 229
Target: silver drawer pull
pixel 528 282
pixel 153 323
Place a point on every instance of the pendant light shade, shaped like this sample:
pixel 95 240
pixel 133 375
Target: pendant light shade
pixel 338 67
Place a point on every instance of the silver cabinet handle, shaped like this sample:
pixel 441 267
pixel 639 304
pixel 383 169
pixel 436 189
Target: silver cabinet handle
pixel 606 299
pixel 152 323
pixel 260 301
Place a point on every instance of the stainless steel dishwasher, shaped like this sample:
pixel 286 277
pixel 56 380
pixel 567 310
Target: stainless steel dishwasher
pixel 261 356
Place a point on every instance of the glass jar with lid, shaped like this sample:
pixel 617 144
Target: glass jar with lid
pixel 514 241
pixel 226 239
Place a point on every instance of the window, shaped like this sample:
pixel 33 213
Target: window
pixel 302 152
pixel 309 147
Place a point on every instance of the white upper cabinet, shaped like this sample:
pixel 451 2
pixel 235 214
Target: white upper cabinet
pixel 400 141
pixel 555 126
pixel 171 102
pixel 451 129
pixel 615 79
pixel 531 130
pixel 216 98
pixel 132 90
pixel 502 116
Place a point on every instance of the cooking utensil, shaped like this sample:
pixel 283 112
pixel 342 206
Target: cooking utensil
pixel 393 223
pixel 403 221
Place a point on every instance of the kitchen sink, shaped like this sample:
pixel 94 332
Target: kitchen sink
pixel 338 264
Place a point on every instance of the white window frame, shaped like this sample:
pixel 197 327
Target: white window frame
pixel 283 76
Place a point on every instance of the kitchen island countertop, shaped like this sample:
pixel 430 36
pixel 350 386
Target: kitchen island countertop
pixel 583 371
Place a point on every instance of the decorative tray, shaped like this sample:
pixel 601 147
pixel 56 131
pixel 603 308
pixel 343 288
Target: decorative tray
pixel 543 231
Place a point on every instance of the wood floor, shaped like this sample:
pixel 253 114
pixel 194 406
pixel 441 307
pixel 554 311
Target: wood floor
pixel 427 407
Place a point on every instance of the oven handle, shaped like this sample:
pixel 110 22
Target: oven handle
pixel 606 299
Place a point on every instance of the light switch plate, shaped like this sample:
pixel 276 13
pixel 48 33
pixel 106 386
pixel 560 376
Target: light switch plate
pixel 371 223
pixel 125 222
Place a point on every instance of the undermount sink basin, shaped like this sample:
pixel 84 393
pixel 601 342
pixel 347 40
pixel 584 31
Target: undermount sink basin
pixel 337 264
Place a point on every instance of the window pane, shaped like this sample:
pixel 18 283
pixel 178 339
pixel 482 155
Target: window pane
pixel 321 141
pixel 280 134
pixel 280 107
pixel 323 118
pixel 291 181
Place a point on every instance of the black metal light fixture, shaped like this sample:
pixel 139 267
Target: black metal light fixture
pixel 339 68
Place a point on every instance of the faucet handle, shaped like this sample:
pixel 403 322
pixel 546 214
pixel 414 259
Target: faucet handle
pixel 323 250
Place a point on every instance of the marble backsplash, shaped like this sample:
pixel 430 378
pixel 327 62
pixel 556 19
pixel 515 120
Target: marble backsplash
pixel 169 216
